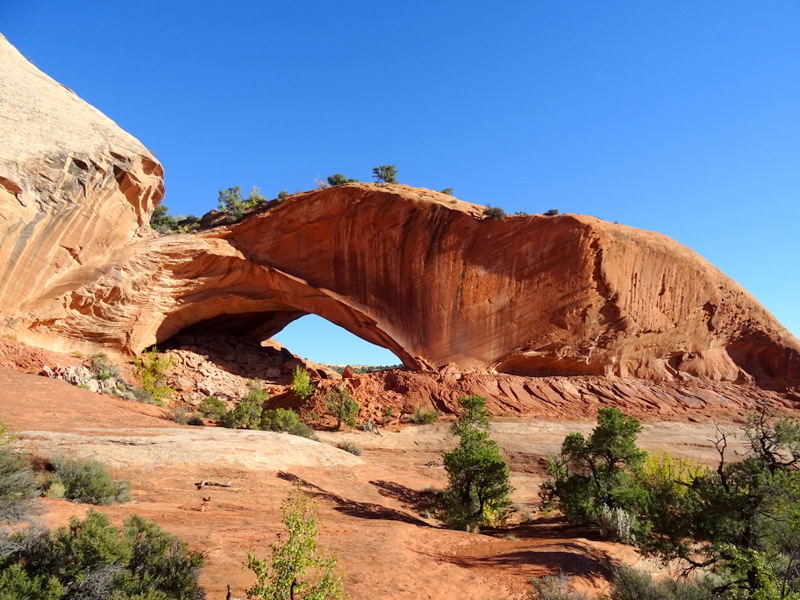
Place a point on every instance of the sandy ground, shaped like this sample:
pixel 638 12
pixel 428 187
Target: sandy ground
pixel 371 507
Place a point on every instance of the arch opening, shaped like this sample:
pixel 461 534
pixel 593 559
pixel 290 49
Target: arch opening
pixel 321 341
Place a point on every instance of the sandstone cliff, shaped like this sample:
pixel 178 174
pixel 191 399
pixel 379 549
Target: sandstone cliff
pixel 420 273
pixel 73 185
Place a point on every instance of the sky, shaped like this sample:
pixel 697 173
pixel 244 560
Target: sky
pixel 676 116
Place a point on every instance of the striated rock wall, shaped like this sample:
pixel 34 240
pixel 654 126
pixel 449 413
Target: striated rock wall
pixel 434 281
pixel 73 185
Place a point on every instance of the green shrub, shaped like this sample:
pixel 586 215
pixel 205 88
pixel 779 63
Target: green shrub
pixel 447 191
pixel 90 559
pixel 296 569
pixel 212 407
pixel 301 383
pixel 494 212
pixel 552 212
pixel 341 405
pixel 385 173
pixel 246 414
pixel 283 419
pixel 88 482
pixel 151 370
pixel 479 489
pixel 592 476
pixel 340 179
pixel 422 416
pixel 18 486
pixel 196 420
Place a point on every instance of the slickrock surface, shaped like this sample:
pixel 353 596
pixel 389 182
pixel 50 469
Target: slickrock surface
pixel 420 273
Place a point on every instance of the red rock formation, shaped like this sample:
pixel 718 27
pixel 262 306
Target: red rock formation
pixel 73 185
pixel 417 272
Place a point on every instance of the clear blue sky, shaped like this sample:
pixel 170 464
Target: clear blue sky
pixel 678 116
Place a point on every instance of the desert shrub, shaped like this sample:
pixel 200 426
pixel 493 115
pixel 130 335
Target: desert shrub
pixel 151 370
pixel 447 191
pixel 18 486
pixel 340 179
pixel 179 415
pixel 422 416
pixel 161 221
pixel 494 212
pixel 212 407
pixel 479 489
pixel 632 584
pixel 88 482
pixel 552 212
pixel 521 213
pixel 301 383
pixel 246 414
pixel 91 560
pixel 283 194
pixel 369 426
pixel 616 524
pixel 600 473
pixel 341 405
pixel 388 413
pixel 351 447
pixel 284 419
pixel 104 369
pixel 554 587
pixel 196 420
pixel 296 569
pixel 385 173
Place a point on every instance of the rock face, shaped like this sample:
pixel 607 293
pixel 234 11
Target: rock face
pixel 417 272
pixel 73 185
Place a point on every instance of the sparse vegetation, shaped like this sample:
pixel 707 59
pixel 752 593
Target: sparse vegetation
pixel 179 415
pixel 552 212
pixel 495 213
pixel 340 179
pixel 633 584
pixel 246 414
pixel 212 407
pixel 284 419
pixel 232 202
pixel 739 521
pixel 385 174
pixel 351 447
pixel 423 416
pixel 296 569
pixel 88 482
pixel 521 213
pixel 554 587
pixel 91 560
pixel 104 369
pixel 447 191
pixel 478 491
pixel 151 370
pixel 301 383
pixel 341 405
pixel 163 222
pixel 17 482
